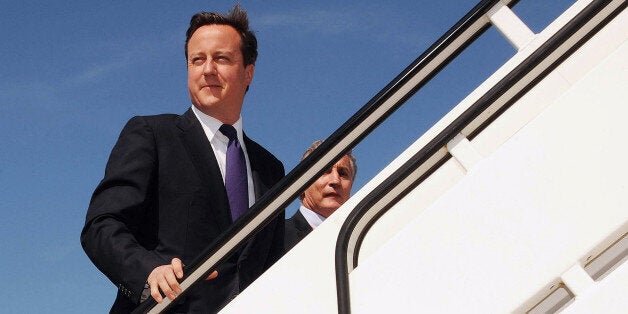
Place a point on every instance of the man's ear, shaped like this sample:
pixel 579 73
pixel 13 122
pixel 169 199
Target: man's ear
pixel 249 72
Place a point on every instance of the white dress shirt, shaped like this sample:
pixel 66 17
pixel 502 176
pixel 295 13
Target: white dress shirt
pixel 219 144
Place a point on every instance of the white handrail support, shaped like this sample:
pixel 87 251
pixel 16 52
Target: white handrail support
pixel 510 26
pixel 462 150
pixel 577 280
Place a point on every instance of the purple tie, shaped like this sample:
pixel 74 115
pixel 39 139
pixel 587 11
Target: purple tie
pixel 235 175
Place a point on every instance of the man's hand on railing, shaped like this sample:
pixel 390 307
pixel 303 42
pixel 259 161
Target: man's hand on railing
pixel 165 278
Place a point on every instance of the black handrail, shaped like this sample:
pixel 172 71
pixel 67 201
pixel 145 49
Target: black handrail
pixel 362 123
pixel 397 185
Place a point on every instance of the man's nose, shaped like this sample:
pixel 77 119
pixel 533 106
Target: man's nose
pixel 209 67
pixel 334 177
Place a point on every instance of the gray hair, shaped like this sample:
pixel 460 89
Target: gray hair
pixel 318 143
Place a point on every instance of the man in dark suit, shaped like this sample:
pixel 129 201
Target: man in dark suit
pixel 322 198
pixel 163 198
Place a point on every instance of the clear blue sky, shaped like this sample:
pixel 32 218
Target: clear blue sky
pixel 73 72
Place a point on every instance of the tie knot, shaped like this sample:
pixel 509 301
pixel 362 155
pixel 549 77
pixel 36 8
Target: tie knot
pixel 229 131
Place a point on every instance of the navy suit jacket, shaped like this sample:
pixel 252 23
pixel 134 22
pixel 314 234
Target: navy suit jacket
pixel 297 228
pixel 162 196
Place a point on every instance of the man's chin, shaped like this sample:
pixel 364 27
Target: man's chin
pixel 331 206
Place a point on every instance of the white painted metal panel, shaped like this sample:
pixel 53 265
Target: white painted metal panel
pixel 525 215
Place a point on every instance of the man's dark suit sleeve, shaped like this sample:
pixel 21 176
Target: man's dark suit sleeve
pixel 121 214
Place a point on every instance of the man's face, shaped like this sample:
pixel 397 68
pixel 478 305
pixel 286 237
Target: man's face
pixel 331 190
pixel 217 77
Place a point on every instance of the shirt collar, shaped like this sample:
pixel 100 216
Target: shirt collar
pixel 211 126
pixel 312 218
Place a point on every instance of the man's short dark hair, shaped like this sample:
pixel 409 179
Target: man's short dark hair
pixel 236 18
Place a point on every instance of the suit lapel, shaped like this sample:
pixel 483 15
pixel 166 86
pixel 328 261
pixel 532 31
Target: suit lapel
pixel 301 224
pixel 256 168
pixel 199 149
pixel 260 188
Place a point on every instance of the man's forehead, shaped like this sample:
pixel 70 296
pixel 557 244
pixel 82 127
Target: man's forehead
pixel 344 162
pixel 215 31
